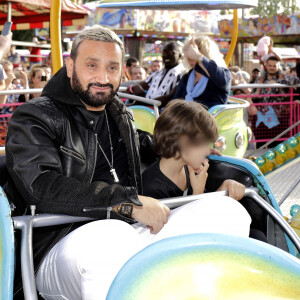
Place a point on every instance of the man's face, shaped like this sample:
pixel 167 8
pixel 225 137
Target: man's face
pixel 138 73
pixel 272 67
pixel 256 74
pixel 155 66
pixel 170 56
pixel 133 65
pixel 96 73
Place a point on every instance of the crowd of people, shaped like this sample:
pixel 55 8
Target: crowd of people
pixel 16 75
pixel 195 72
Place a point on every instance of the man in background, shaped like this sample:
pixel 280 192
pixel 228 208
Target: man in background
pixel 130 64
pixel 155 65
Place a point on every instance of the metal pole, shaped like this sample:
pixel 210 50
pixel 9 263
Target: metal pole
pixel 55 34
pixel 9 11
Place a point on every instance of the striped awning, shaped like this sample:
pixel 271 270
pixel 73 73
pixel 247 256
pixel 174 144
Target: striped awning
pixel 30 14
pixel 178 4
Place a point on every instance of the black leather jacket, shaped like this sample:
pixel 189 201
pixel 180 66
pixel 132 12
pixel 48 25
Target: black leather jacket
pixel 51 154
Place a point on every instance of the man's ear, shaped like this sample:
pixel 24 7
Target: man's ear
pixel 69 66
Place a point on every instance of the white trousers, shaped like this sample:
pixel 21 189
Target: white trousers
pixel 84 263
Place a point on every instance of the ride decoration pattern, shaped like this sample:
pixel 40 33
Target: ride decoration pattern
pixel 6 249
pixel 208 266
pixel 280 155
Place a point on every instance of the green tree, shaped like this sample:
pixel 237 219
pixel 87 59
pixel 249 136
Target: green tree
pixel 274 7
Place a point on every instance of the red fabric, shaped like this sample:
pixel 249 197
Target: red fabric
pixel 35 51
pixel 38 11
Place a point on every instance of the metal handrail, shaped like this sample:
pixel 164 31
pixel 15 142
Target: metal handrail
pixel 263 85
pixel 153 102
pixel 27 223
pixel 20 92
pixel 30 44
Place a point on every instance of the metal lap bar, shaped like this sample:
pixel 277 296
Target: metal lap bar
pixel 27 223
pixel 155 103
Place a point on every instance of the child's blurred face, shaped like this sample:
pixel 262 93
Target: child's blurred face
pixel 193 155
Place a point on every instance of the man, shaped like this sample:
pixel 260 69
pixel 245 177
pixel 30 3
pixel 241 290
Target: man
pixel 155 65
pixel 131 63
pixel 272 119
pixel 75 151
pixel 255 75
pixel 35 51
pixel 162 85
pixel 138 73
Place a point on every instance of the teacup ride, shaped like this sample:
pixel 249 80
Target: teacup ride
pixel 234 134
pixel 199 266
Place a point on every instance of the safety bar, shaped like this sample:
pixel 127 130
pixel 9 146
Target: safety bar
pixel 263 85
pixel 30 44
pixel 22 91
pixel 233 105
pixel 27 223
pixel 153 102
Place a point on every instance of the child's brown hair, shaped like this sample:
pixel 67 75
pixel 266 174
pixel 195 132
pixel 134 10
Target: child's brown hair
pixel 182 118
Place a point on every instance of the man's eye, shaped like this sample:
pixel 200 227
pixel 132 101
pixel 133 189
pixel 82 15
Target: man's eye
pixel 92 65
pixel 113 68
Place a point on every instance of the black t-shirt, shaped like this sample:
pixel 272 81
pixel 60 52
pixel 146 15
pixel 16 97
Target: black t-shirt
pixel 102 170
pixel 157 185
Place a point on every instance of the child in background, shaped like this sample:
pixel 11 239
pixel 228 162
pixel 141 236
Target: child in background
pixel 182 136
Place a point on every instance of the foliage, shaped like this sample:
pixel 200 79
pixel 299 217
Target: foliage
pixel 268 8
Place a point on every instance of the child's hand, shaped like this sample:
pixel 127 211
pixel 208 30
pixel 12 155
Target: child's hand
pixel 235 189
pixel 198 178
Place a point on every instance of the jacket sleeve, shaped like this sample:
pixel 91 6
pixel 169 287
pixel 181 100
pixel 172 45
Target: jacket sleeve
pixel 221 77
pixel 34 164
pixel 146 142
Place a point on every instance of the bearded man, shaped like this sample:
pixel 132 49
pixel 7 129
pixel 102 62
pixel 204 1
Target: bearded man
pixel 75 151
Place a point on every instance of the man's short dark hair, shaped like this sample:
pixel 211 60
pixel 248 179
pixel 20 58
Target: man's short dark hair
pixel 181 118
pixel 272 58
pixel 96 33
pixel 255 70
pixel 130 61
pixel 155 61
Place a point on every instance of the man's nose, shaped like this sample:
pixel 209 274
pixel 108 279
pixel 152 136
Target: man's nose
pixel 102 77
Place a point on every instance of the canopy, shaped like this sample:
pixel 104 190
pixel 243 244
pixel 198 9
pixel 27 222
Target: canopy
pixel 30 14
pixel 178 4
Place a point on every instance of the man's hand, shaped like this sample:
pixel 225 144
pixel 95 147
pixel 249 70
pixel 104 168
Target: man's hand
pixel 153 213
pixel 5 43
pixel 235 189
pixel 198 178
pixel 137 90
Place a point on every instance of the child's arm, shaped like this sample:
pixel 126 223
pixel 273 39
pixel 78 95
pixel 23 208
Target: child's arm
pixel 198 178
pixel 235 189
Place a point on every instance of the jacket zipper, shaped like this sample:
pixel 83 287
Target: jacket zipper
pixel 95 158
pixel 133 156
pixel 72 153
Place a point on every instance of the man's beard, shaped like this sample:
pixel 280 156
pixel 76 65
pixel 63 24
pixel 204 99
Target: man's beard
pixel 86 96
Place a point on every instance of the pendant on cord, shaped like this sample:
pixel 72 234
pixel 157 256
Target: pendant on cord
pixel 114 174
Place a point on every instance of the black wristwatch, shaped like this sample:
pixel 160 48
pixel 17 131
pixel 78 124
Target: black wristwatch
pixel 125 209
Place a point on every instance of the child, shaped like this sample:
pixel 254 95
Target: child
pixel 182 136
